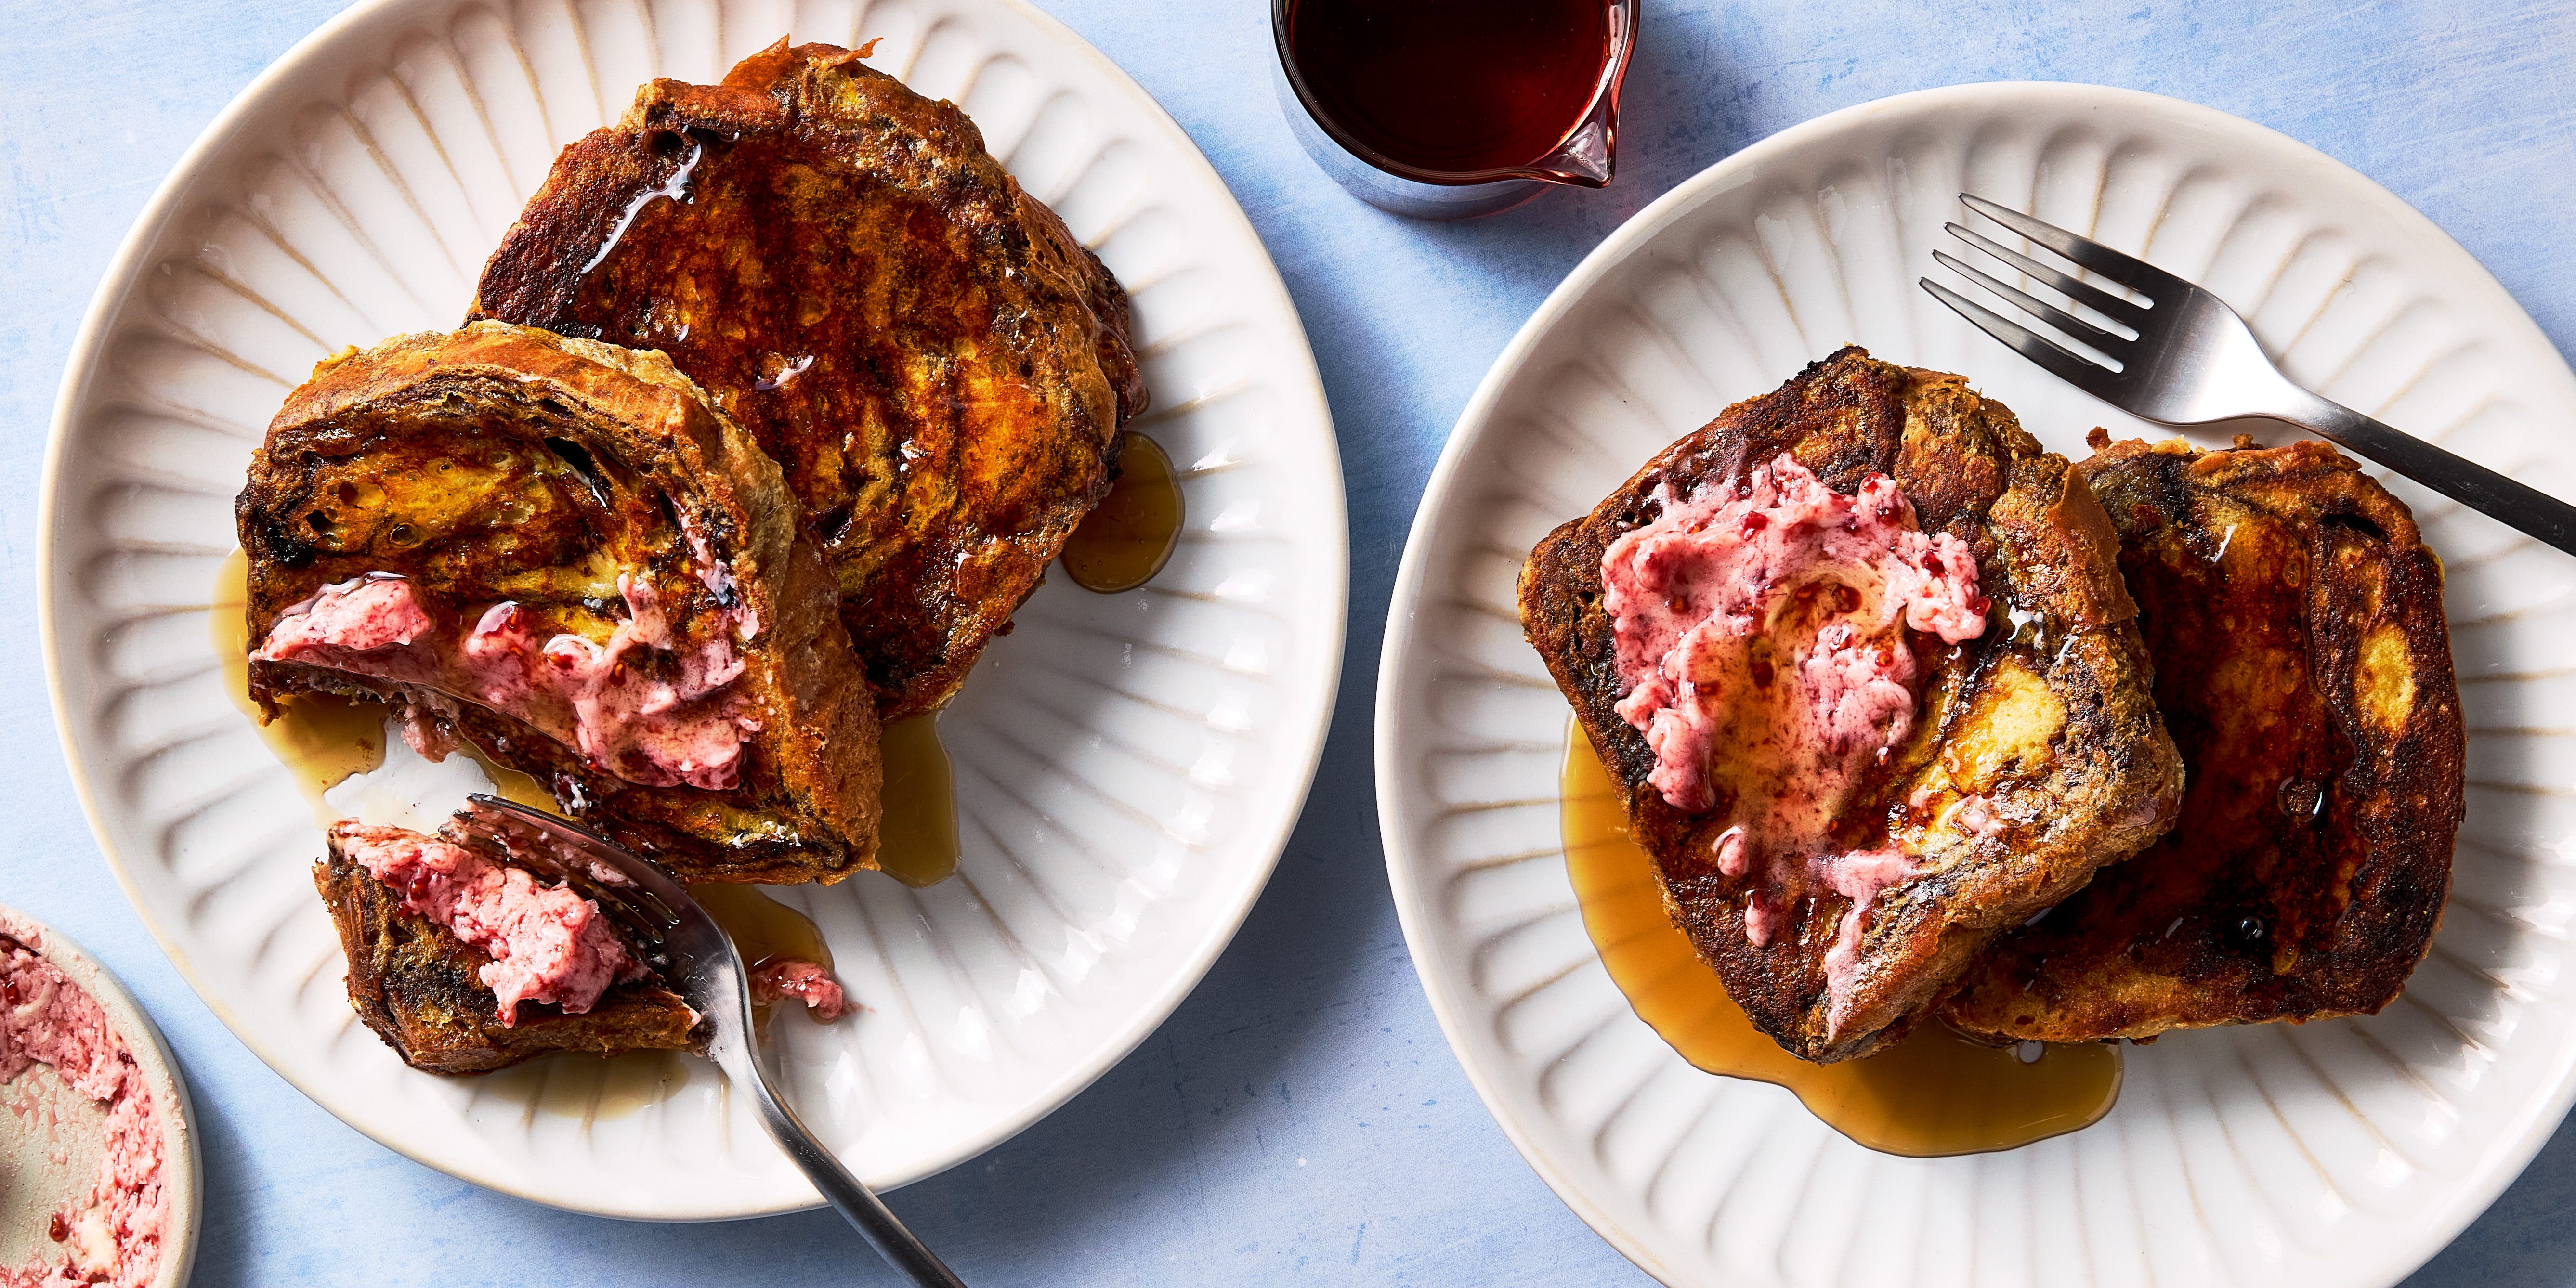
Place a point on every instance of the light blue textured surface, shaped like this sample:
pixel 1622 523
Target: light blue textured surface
pixel 1299 1119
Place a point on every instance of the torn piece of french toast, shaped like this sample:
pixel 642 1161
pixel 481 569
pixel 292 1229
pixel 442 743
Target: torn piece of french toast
pixel 564 553
pixel 464 963
pixel 1859 654
pixel 2303 666
pixel 938 364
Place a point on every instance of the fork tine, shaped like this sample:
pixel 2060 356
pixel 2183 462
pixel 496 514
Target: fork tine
pixel 633 906
pixel 628 910
pixel 647 905
pixel 2136 274
pixel 2065 366
pixel 497 831
pixel 634 909
pixel 2064 321
pixel 2082 292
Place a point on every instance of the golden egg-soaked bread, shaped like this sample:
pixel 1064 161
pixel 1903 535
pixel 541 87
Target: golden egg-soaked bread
pixel 2304 668
pixel 2036 756
pixel 938 365
pixel 546 503
pixel 420 989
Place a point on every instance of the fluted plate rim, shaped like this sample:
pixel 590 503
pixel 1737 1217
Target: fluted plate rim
pixel 1441 951
pixel 311 71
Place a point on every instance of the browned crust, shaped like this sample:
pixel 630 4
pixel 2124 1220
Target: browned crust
pixel 969 360
pixel 2104 784
pixel 432 407
pixel 2272 583
pixel 417 986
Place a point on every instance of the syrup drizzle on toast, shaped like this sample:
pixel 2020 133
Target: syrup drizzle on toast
pixel 1931 1094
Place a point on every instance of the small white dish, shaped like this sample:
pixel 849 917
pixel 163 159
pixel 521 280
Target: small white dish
pixel 1128 766
pixel 46 1162
pixel 2339 1153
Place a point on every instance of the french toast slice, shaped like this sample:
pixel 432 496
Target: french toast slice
pixel 420 988
pixel 2303 666
pixel 562 552
pixel 2035 755
pixel 939 366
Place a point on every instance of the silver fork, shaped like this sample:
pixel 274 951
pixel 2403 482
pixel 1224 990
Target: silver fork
pixel 2192 361
pixel 686 947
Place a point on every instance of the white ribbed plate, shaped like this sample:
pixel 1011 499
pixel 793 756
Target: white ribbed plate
pixel 2338 1153
pixel 1128 766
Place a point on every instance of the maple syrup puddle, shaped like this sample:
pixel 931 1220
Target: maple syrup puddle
pixel 1131 534
pixel 917 818
pixel 764 931
pixel 592 1088
pixel 1934 1093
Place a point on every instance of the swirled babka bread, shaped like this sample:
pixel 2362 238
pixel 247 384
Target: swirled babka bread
pixel 562 552
pixel 1859 654
pixel 938 365
pixel 464 963
pixel 2304 669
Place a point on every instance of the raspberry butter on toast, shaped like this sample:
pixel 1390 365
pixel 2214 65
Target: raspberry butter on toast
pixel 1859 654
pixel 564 553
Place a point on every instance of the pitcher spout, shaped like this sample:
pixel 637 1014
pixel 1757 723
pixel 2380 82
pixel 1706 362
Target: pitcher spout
pixel 1585 159
pixel 1467 175
pixel 1590 150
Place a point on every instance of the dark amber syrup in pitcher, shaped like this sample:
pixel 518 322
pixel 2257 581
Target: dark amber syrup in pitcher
pixel 1932 1093
pixel 1451 86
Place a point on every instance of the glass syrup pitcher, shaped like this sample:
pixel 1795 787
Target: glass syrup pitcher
pixel 1447 109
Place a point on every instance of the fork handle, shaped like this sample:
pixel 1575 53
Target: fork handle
pixel 2535 513
pixel 846 1193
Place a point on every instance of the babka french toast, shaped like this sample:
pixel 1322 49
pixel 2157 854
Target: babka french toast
pixel 1859 654
pixel 2304 668
pixel 564 553
pixel 431 995
pixel 938 365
